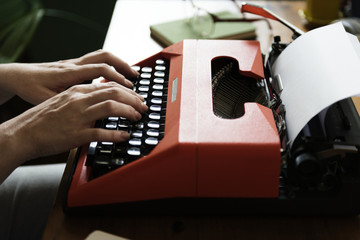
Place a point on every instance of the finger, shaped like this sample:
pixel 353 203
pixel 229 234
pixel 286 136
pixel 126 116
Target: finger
pixel 101 56
pixel 103 135
pixel 92 71
pixel 111 108
pixel 103 91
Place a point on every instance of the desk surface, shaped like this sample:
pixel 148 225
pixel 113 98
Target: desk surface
pixel 129 38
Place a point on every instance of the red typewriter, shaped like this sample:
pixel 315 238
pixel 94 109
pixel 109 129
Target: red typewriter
pixel 186 146
pixel 214 140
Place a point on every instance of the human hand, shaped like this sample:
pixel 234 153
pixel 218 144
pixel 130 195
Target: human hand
pixel 37 82
pixel 64 121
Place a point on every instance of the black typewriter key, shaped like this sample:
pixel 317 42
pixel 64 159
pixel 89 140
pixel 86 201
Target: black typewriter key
pixel 155 108
pixel 153 132
pixel 146 69
pixel 137 134
pixel 91 153
pixel 143 94
pixel 139 125
pixel 156 101
pixel 145 75
pixel 159 74
pixel 151 141
pixel 153 124
pixel 134 151
pixel 157 93
pixel 118 162
pixel 143 88
pixel 154 116
pixel 160 68
pixel 123 124
pixel 136 68
pixel 107 144
pixel 144 82
pixel 105 151
pixel 111 125
pixel 113 119
pixel 160 62
pixel 135 141
pixel 158 87
pixel 152 84
pixel 92 148
pixel 159 80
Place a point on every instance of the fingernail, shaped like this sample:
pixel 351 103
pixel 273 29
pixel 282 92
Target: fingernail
pixel 129 83
pixel 136 73
pixel 144 107
pixel 138 116
pixel 140 97
pixel 125 134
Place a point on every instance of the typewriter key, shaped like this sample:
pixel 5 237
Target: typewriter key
pixel 153 124
pixel 136 68
pixel 117 162
pixel 160 68
pixel 113 119
pixel 144 88
pixel 154 116
pixel 145 75
pixel 137 134
pixel 151 141
pixel 159 74
pixel 159 80
pixel 160 62
pixel 111 125
pixel 139 125
pixel 155 108
pixel 152 132
pixel 135 141
pixel 156 101
pixel 143 94
pixel 158 87
pixel 134 151
pixel 157 93
pixel 144 82
pixel 146 69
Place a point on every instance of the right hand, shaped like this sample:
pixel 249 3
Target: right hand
pixel 65 121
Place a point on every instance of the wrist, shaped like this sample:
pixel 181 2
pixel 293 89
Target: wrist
pixel 11 152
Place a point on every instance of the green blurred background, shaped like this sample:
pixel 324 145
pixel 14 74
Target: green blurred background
pixel 51 30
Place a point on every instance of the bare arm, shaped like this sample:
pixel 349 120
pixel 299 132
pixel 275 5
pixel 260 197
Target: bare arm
pixel 64 122
pixel 65 113
pixel 39 81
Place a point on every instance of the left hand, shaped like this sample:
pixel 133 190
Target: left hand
pixel 37 82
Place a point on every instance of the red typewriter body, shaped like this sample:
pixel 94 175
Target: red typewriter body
pixel 201 154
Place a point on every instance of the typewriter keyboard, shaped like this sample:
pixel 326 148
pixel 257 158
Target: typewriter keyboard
pixel 145 134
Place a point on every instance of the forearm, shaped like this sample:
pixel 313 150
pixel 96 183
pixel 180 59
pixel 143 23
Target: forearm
pixel 11 151
pixel 5 92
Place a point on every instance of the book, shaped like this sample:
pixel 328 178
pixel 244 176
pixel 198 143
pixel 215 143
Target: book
pixel 172 32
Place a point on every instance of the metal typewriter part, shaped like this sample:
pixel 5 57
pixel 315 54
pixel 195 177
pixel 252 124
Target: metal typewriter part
pixel 145 134
pixel 324 159
pixel 231 90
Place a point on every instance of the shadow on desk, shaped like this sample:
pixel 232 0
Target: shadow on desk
pixel 209 227
pixel 80 225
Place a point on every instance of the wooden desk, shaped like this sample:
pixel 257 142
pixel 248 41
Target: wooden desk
pixel 129 37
